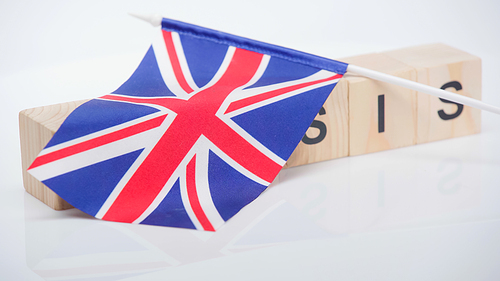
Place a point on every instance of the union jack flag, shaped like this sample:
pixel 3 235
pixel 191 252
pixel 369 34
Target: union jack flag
pixel 199 130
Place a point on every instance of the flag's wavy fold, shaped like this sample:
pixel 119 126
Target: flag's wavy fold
pixel 198 131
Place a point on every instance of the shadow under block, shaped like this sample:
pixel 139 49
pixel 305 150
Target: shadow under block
pixel 36 128
pixel 441 66
pixel 381 116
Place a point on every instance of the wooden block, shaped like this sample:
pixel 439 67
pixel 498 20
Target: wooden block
pixel 441 66
pixel 381 116
pixel 327 138
pixel 360 115
pixel 36 128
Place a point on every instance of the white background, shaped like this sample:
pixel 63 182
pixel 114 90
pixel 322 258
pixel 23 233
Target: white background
pixel 428 212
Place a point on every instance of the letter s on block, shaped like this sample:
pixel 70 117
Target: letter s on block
pixel 460 107
pixel 320 126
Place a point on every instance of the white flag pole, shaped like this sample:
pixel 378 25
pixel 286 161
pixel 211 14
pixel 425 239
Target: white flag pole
pixel 153 19
pixel 422 88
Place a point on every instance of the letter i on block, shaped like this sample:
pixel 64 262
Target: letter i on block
pixel 444 67
pixel 381 116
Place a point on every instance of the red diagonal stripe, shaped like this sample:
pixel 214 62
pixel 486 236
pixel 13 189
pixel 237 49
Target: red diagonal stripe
pixel 192 120
pixel 267 95
pixel 98 141
pixel 150 177
pixel 167 102
pixel 241 151
pixel 194 201
pixel 174 60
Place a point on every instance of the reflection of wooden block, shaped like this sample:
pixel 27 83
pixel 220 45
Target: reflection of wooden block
pixel 381 116
pixel 442 66
pixel 36 128
pixel 327 138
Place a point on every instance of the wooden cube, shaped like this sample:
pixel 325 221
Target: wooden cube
pixel 327 138
pixel 381 116
pixel 368 116
pixel 36 128
pixel 444 67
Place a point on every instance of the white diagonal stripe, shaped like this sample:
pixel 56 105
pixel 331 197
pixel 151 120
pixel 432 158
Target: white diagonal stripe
pixel 182 61
pixel 138 162
pixel 220 113
pixel 245 93
pixel 93 156
pixel 186 203
pixel 278 98
pixel 165 67
pixel 203 188
pixel 235 165
pixel 222 68
pixel 235 93
pixel 100 133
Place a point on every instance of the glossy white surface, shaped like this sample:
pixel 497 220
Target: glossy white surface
pixel 427 212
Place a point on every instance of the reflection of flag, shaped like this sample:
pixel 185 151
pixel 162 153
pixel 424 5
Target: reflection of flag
pixel 91 250
pixel 201 128
pixel 96 252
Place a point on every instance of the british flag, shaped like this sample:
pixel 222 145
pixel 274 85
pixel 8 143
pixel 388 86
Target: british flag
pixel 199 130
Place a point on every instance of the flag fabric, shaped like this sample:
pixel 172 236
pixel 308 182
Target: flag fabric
pixel 200 129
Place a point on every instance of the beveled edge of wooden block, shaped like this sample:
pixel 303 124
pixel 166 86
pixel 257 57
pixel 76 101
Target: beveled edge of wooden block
pixel 430 55
pixel 36 127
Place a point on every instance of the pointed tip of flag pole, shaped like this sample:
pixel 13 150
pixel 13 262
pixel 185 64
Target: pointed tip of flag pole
pixel 153 19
